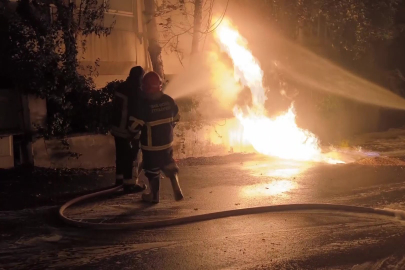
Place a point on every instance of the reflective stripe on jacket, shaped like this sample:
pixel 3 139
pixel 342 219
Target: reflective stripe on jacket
pixel 156 120
pixel 124 99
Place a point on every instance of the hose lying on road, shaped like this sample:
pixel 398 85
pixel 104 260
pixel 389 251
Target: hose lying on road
pixel 214 215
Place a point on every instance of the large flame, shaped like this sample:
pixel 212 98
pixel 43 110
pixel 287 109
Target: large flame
pixel 280 136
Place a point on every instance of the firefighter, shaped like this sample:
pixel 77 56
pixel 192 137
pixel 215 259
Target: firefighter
pixel 125 98
pixel 156 119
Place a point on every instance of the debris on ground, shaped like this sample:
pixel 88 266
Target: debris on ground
pixel 381 161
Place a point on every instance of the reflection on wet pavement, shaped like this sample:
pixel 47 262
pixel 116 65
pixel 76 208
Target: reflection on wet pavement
pixel 276 187
pixel 281 168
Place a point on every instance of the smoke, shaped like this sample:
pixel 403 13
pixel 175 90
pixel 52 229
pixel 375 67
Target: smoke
pixel 211 74
pixel 310 70
pixel 194 78
pixel 210 79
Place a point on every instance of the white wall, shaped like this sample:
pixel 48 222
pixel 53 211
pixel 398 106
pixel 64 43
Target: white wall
pixel 6 152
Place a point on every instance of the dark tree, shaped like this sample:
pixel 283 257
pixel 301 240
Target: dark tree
pixel 40 43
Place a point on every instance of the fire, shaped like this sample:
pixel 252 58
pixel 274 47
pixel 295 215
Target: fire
pixel 280 136
pixel 246 68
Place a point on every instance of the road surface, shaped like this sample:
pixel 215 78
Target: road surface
pixel 36 239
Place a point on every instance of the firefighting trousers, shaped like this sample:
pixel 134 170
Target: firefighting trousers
pixel 126 152
pixel 156 161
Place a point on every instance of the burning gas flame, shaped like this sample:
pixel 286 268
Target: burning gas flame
pixel 279 137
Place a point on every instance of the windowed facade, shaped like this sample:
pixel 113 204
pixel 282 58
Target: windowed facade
pixel 124 48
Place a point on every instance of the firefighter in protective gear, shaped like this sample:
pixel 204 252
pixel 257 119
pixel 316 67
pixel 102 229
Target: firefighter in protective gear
pixel 126 144
pixel 156 119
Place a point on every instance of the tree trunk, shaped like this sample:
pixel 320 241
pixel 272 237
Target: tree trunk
pixel 197 26
pixel 153 38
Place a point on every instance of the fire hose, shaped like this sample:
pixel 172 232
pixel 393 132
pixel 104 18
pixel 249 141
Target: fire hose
pixel 215 215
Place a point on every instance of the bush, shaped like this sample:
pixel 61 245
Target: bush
pixel 86 111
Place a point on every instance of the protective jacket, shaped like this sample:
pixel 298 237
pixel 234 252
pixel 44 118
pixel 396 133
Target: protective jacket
pixel 156 120
pixel 125 97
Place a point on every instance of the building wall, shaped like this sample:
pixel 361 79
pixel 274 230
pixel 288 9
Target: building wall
pixel 12 122
pixel 124 48
pixel 174 61
pixel 10 111
pixel 18 114
pixel 6 152
pixel 37 112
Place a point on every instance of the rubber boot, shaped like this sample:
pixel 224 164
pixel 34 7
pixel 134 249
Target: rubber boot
pixel 178 194
pixel 134 188
pixel 153 196
pixel 137 168
pixel 134 185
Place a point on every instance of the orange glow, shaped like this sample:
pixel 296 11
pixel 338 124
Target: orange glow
pixel 273 188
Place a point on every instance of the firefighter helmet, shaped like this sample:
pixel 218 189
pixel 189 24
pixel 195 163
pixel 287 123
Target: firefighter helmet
pixel 151 83
pixel 136 72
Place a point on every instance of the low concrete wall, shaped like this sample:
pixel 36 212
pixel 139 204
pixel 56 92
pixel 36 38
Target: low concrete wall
pixel 87 151
pixel 212 139
pixel 94 151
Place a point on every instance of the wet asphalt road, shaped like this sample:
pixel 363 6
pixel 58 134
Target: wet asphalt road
pixel 35 239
